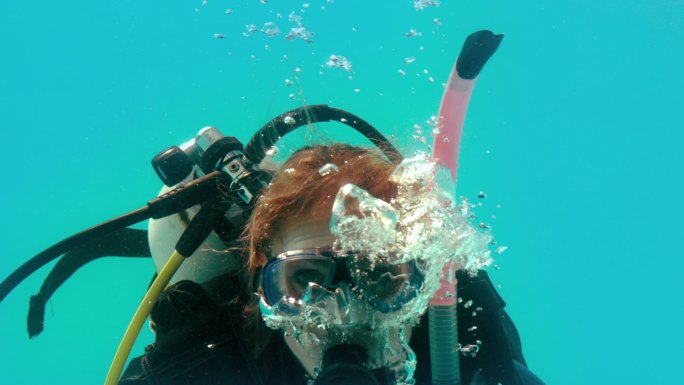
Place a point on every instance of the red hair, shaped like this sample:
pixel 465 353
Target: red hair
pixel 299 189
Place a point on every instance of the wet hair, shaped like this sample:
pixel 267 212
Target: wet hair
pixel 300 189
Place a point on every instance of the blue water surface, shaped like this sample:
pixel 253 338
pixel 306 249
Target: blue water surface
pixel 574 133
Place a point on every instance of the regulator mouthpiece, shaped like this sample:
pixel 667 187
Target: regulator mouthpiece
pixel 344 365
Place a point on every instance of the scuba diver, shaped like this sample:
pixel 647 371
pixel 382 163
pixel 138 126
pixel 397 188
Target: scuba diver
pixel 318 271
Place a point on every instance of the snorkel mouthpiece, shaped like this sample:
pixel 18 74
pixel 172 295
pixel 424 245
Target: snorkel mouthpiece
pixel 344 365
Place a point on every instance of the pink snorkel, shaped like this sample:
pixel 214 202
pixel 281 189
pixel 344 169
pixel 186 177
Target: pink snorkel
pixel 477 49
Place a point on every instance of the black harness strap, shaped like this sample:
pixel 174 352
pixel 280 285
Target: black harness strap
pixel 124 242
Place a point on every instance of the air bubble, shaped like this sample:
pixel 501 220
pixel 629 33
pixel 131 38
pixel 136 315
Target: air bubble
pixel 251 29
pixel 411 33
pixel 328 169
pixel 419 5
pixel 339 61
pixel 273 151
pixel 299 33
pixel 363 222
pixel 270 29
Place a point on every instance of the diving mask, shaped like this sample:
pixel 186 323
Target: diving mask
pixel 294 275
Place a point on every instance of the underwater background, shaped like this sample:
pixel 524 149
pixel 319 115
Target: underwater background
pixel 574 132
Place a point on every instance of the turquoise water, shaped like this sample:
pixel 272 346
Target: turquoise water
pixel 573 133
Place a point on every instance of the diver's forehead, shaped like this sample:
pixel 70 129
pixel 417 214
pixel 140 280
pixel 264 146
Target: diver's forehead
pixel 302 233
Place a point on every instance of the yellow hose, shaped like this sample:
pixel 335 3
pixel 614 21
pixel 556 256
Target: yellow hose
pixel 140 316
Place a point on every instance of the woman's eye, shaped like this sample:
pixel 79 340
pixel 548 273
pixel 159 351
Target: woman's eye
pixel 304 277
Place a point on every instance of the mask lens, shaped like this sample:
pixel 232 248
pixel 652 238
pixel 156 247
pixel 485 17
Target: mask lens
pixel 387 286
pixel 290 277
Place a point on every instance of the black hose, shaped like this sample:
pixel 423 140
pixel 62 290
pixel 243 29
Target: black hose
pixel 59 248
pixel 181 198
pixel 120 243
pixel 271 132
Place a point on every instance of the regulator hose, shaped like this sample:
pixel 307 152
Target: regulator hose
pixel 197 231
pixel 271 132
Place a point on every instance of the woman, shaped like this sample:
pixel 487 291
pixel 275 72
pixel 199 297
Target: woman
pixel 218 333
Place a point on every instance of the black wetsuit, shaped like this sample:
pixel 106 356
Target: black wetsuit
pixel 200 342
